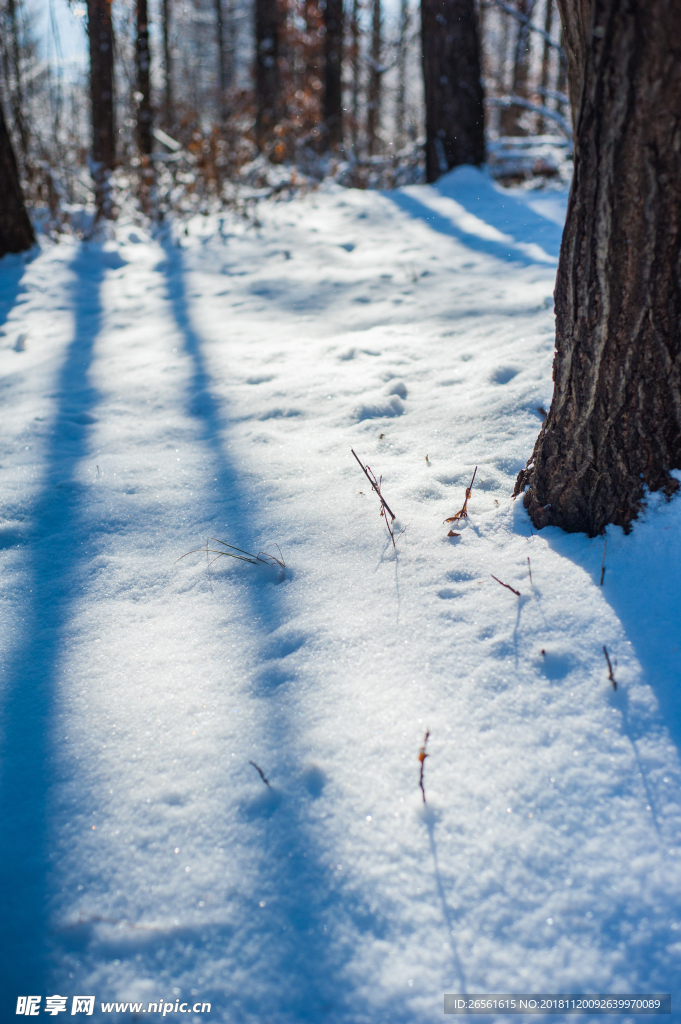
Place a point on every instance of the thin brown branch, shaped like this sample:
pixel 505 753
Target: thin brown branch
pixel 462 513
pixel 529 569
pixel 605 545
pixel 422 759
pixel 507 585
pixel 611 676
pixel 376 484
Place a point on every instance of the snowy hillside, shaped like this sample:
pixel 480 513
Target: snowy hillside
pixel 211 384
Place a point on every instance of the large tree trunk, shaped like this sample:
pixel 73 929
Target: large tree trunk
pixel 333 64
pixel 100 36
pixel 16 233
pixel 614 426
pixel 143 60
pixel 453 90
pixel 267 72
pixel 575 19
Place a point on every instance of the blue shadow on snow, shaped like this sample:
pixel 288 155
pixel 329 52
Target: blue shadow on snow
pixel 54 567
pixel 531 237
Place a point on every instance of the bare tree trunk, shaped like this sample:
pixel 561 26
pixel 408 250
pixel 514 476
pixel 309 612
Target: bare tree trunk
pixel 222 61
pixel 16 93
pixel 575 18
pixel 354 29
pixel 100 35
pixel 375 80
pixel 333 67
pixel 545 62
pixel 167 57
pixel 453 90
pixel 267 72
pixel 614 426
pixel 143 61
pixel 401 99
pixel 16 233
pixel 521 65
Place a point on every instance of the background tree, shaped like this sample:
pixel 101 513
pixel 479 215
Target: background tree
pixel 223 63
pixel 375 76
pixel 100 38
pixel 614 426
pixel 16 233
pixel 453 90
pixel 143 62
pixel 333 67
pixel 510 117
pixel 267 71
pixel 168 111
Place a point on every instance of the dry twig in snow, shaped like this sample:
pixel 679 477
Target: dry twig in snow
pixel 422 759
pixel 462 513
pixel 507 585
pixel 261 774
pixel 611 676
pixel 376 484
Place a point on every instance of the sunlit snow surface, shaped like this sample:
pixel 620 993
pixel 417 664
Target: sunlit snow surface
pixel 212 384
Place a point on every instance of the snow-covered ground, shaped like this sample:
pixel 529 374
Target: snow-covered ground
pixel 211 383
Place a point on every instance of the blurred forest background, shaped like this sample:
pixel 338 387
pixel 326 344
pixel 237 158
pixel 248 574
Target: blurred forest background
pixel 193 105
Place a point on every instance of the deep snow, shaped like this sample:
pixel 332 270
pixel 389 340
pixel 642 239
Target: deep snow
pixel 211 383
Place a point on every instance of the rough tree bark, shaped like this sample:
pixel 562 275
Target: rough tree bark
pixel 143 62
pixel 575 20
pixel 453 90
pixel 267 71
pixel 333 66
pixel 614 426
pixel 100 37
pixel 16 233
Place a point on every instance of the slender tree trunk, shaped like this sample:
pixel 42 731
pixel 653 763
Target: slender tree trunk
pixel 267 72
pixel 17 93
pixel 168 58
pixel 333 66
pixel 354 31
pixel 16 233
pixel 453 90
pixel 223 72
pixel 231 38
pixel 100 36
pixel 545 63
pixel 401 99
pixel 614 426
pixel 561 77
pixel 510 116
pixel 143 61
pixel 375 80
